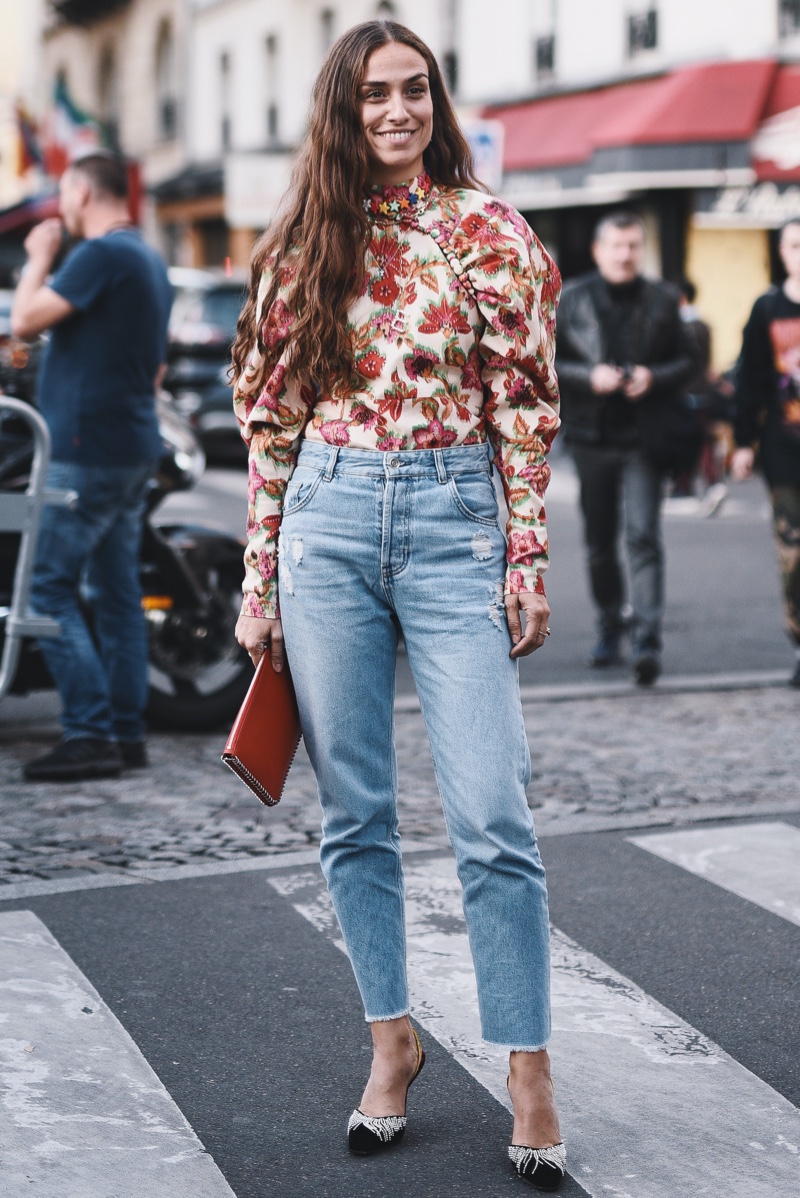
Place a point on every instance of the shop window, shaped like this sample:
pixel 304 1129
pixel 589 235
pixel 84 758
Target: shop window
pixel 788 18
pixel 642 32
pixel 544 57
pixel 213 235
pixel 166 85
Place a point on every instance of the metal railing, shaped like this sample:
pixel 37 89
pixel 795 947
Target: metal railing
pixel 22 513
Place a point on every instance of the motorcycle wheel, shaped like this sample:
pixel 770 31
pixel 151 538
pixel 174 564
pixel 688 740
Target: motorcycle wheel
pixel 198 674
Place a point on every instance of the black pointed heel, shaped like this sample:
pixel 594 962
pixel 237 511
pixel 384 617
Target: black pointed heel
pixel 368 1134
pixel 543 1168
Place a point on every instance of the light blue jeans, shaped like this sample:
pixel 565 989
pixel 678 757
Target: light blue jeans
pixel 371 543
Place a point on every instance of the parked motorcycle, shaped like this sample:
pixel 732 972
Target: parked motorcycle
pixel 191 582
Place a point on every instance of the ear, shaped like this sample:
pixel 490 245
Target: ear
pixel 82 190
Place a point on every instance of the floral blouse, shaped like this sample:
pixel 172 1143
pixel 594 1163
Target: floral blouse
pixel 453 343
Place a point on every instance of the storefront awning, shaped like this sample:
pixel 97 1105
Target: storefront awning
pixel 708 126
pixel 710 103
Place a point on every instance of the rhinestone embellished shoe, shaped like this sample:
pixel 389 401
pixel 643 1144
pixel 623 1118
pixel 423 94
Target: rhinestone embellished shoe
pixel 367 1134
pixel 543 1168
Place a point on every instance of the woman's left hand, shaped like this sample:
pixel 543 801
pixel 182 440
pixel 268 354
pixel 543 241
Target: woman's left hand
pixel 537 613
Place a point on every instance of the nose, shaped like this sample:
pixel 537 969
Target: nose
pixel 397 107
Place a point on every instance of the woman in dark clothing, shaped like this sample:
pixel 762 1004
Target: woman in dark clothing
pixel 768 413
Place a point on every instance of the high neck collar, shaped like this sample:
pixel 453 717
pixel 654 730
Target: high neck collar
pixel 401 201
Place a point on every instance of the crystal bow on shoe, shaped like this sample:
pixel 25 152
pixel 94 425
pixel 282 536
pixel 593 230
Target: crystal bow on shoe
pixel 544 1168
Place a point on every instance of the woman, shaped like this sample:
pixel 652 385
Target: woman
pixel 398 318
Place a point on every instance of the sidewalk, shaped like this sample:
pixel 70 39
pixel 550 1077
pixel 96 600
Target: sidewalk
pixel 633 760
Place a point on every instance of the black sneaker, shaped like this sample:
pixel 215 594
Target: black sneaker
pixel 134 754
pixel 606 652
pixel 646 666
pixel 76 760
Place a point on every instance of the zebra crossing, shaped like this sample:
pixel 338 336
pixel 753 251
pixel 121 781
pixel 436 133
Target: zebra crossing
pixel 652 1105
pixel 653 1108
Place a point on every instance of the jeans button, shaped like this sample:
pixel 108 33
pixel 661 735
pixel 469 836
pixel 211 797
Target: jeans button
pixel 394 462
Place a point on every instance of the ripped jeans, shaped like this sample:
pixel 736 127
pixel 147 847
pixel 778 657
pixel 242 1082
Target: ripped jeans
pixel 372 543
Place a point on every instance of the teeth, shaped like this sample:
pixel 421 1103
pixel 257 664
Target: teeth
pixel 397 136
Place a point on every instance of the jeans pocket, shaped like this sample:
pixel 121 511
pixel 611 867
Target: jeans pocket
pixel 474 496
pixel 301 489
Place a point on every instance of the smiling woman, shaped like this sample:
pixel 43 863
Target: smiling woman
pixel 397 113
pixel 400 318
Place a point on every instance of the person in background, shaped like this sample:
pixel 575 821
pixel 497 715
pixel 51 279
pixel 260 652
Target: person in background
pixel 621 346
pixel 712 394
pixel 768 416
pixel 107 307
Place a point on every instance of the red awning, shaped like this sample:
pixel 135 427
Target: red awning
pixel 713 102
pixel 776 146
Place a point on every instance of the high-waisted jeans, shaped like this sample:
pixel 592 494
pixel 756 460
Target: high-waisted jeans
pixel 372 543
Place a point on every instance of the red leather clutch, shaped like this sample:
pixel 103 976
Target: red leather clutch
pixel 266 734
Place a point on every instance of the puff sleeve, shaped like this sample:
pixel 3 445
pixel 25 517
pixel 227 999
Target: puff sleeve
pixel 271 421
pixel 516 286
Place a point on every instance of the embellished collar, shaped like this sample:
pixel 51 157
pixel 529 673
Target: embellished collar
pixel 399 202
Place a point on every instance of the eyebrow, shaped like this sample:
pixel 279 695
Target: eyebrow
pixel 382 83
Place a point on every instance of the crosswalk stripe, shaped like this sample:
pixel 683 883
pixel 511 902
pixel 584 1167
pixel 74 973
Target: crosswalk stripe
pixel 84 1114
pixel 759 862
pixel 650 1107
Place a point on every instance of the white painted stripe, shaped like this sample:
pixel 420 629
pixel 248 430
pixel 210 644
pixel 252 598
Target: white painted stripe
pixel 650 1108
pixel 84 1115
pixel 759 862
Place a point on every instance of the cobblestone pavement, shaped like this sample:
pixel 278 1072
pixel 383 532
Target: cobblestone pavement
pixel 642 758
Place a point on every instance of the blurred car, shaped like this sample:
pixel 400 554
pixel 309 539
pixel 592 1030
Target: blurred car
pixel 19 360
pixel 201 331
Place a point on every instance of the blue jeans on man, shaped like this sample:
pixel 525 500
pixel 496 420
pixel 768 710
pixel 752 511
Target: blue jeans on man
pixel 87 564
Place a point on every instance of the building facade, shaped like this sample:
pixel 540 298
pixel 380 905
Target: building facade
pixel 684 110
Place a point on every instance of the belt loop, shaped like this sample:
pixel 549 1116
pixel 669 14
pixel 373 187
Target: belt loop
pixel 441 472
pixel 329 469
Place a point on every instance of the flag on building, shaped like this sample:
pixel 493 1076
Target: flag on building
pixel 29 152
pixel 69 131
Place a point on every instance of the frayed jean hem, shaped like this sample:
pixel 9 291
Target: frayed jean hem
pixel 518 1047
pixel 386 1018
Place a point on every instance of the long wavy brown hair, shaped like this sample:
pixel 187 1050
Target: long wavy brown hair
pixel 322 219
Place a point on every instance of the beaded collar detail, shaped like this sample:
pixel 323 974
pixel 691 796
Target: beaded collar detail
pixel 400 202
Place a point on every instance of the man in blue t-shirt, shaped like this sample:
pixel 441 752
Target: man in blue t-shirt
pixel 107 308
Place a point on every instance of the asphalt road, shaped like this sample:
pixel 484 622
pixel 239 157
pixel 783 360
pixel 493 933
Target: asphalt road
pixel 676 1041
pixel 723 611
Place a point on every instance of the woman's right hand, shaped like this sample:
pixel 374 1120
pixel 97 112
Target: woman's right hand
pixel 255 635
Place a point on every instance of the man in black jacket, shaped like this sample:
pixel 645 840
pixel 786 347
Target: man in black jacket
pixel 768 413
pixel 622 353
